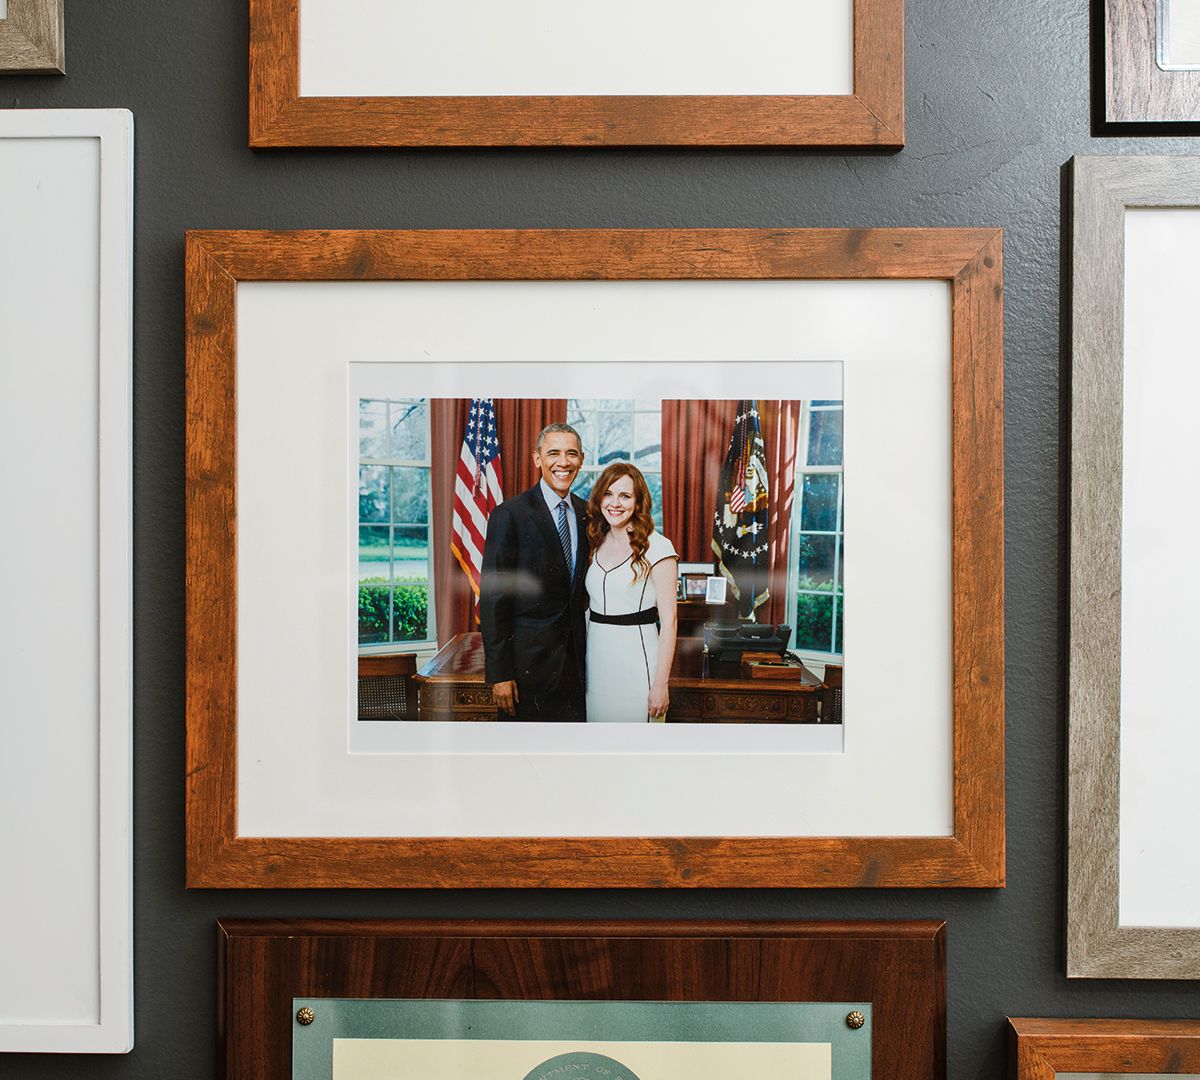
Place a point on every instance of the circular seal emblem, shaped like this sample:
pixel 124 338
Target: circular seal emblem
pixel 580 1065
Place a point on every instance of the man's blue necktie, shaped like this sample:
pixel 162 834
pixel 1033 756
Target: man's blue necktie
pixel 564 534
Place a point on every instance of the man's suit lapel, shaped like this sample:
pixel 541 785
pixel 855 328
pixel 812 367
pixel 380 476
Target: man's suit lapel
pixel 548 526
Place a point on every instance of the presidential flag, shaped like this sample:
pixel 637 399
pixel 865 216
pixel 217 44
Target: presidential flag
pixel 478 490
pixel 740 520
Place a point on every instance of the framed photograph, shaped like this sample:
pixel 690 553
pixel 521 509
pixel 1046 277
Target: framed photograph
pixel 714 590
pixel 1133 893
pixel 66 622
pixel 361 340
pixel 1043 1049
pixel 1152 61
pixel 347 1000
pixel 31 37
pixel 535 73
pixel 695 586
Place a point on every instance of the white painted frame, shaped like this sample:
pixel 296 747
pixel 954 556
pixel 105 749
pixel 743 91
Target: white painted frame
pixel 109 398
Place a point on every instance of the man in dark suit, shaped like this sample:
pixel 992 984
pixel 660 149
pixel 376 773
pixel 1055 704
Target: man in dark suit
pixel 532 600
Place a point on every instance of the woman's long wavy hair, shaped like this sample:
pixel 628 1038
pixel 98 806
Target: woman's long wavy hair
pixel 641 525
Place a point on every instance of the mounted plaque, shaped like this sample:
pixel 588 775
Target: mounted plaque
pixel 349 1000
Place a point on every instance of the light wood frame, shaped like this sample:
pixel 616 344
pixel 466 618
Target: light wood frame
pixel 1097 945
pixel 871 116
pixel 31 38
pixel 970 260
pixel 1040 1049
pixel 899 967
pixel 1136 89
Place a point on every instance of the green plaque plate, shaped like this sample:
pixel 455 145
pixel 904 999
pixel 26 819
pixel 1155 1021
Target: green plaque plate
pixel 376 1039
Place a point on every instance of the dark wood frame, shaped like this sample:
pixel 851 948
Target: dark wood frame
pixel 970 260
pixel 1039 1049
pixel 1136 89
pixel 31 38
pixel 872 116
pixel 900 967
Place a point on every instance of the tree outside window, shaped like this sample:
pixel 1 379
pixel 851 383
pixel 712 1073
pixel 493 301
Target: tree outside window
pixel 395 566
pixel 619 429
pixel 818 539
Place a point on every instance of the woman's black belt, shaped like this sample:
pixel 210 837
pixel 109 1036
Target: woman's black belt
pixel 634 618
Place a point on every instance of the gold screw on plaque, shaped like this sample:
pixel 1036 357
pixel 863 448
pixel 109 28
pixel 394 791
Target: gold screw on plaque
pixel 855 1020
pixel 305 1016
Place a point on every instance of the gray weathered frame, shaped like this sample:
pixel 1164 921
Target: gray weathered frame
pixel 31 38
pixel 1097 945
pixel 1136 89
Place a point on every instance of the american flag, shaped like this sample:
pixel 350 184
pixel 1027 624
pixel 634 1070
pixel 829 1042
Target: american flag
pixel 740 519
pixel 478 490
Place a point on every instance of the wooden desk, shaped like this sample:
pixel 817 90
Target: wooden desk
pixel 450 687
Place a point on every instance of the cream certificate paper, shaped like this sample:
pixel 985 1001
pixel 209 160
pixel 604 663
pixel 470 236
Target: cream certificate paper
pixel 514 1059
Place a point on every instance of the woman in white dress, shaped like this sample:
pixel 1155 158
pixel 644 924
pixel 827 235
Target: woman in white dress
pixel 631 594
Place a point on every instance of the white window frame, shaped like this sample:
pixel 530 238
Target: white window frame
pixel 425 463
pixel 594 468
pixel 793 581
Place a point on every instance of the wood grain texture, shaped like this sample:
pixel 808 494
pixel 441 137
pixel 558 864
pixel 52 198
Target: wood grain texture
pixel 1097 945
pixel 873 115
pixel 971 260
pixel 32 38
pixel 1039 1049
pixel 899 967
pixel 1136 89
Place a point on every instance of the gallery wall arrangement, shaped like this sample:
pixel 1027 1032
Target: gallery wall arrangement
pixel 656 540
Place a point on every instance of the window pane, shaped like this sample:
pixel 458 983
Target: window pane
pixel 825 438
pixel 372 428
pixel 410 490
pixel 583 485
pixel 582 422
pixel 814 561
pixel 654 483
pixel 614 404
pixel 837 644
pixel 411 553
pixel 411 620
pixel 647 440
pixel 841 563
pixel 410 422
pixel 373 493
pixel 615 437
pixel 373 616
pixel 580 404
pixel 374 553
pixel 814 622
pixel 818 508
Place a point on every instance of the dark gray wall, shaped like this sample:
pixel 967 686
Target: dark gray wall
pixel 998 100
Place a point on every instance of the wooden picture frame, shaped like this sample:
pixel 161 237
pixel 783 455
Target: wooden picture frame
pixel 1040 1049
pixel 1137 90
pixel 899 968
pixel 66 774
pixel 32 38
pixel 970 261
pixel 1098 945
pixel 871 116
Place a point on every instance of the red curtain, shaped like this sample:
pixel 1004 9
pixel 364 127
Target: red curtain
pixel 519 421
pixel 695 438
pixel 695 441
